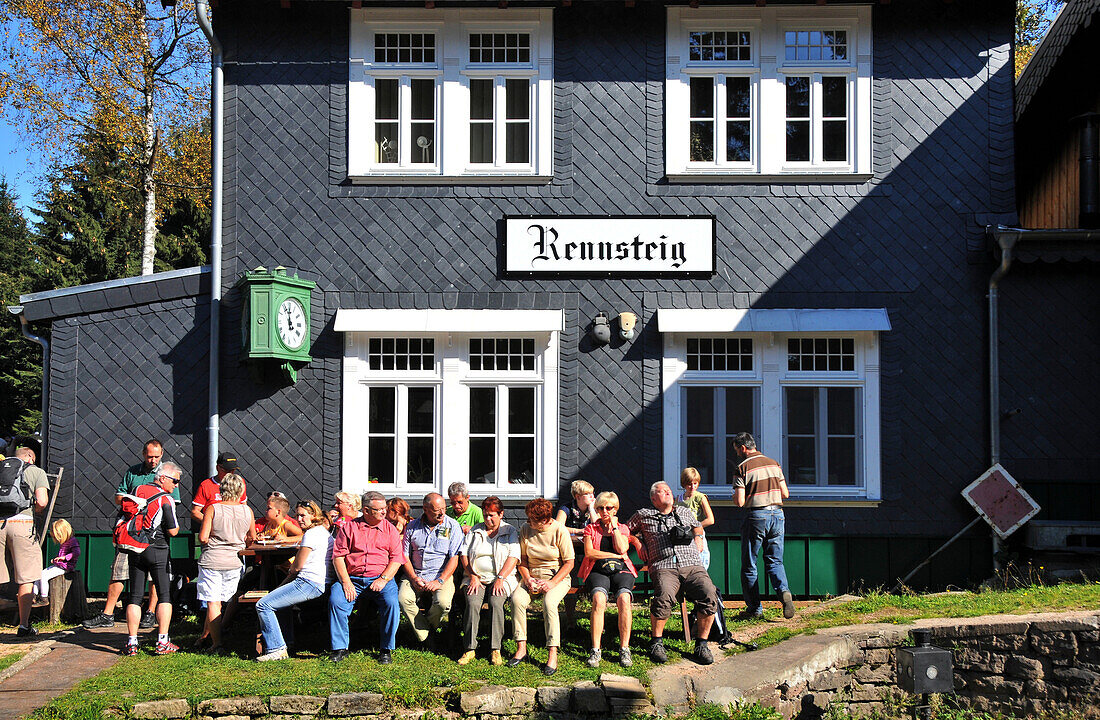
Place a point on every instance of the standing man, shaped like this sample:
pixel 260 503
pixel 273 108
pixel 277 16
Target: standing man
pixel 672 540
pixel 19 550
pixel 144 473
pixel 153 560
pixel 466 513
pixel 366 555
pixel 760 486
pixel 209 490
pixel 433 543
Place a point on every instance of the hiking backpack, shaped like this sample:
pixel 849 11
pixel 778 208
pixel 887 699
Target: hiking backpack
pixel 135 530
pixel 15 494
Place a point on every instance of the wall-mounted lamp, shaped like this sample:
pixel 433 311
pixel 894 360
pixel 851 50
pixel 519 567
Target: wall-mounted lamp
pixel 601 329
pixel 627 324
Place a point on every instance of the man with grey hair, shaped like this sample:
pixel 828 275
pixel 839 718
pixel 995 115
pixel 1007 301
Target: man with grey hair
pixel 432 545
pixel 466 513
pixel 672 539
pixel 20 556
pixel 366 556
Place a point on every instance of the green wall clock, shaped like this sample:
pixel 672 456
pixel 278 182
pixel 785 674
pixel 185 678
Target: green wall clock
pixel 275 318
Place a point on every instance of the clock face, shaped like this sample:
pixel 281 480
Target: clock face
pixel 291 321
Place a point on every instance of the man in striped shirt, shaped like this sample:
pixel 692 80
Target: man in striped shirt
pixel 760 486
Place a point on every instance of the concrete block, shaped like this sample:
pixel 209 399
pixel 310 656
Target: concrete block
pixel 297 704
pixel 233 706
pixel 360 703
pixel 178 708
pixel 588 698
pixel 622 686
pixel 553 699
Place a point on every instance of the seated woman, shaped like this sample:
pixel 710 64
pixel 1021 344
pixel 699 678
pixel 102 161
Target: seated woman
pixel 607 569
pixel 397 512
pixel 489 561
pixel 546 557
pixel 309 577
pixel 349 505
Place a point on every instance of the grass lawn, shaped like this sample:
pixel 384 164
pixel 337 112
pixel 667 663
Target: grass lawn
pixel 6 661
pixel 419 678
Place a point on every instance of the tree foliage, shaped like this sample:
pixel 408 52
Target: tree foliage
pixel 124 75
pixel 1033 18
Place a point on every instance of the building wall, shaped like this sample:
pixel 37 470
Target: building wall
pixel 908 240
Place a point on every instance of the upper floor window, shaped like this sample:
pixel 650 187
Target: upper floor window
pixel 769 91
pixel 489 72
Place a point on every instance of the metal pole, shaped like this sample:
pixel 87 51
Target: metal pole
pixel 941 548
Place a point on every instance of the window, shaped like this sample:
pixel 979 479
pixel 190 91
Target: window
pixel 809 398
pixel 422 411
pixel 768 91
pixel 489 72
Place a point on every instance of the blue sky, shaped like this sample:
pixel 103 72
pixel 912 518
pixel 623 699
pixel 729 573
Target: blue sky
pixel 16 166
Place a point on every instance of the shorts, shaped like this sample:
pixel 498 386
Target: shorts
pixel 692 580
pixel 218 585
pixel 120 569
pixel 621 583
pixel 153 561
pixel 20 551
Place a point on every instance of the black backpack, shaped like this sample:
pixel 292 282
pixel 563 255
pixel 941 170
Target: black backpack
pixel 15 494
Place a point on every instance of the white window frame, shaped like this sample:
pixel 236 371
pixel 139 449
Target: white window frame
pixel 769 70
pixel 452 27
pixel 771 377
pixel 452 377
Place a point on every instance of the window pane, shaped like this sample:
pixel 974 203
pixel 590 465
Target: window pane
pixel 834 140
pixel 521 410
pixel 842 411
pixel 738 147
pixel 481 99
pixel 801 412
pixel 421 410
pixel 798 131
pixel 385 126
pixel 798 97
pixel 699 405
pixel 702 97
pixel 802 461
pixel 380 464
pixel 738 98
pixel 517 143
pixel 481 149
pixel 702 141
pixel 834 97
pixel 798 141
pixel 521 460
pixel 483 401
pixel 740 407
pixel 517 99
pixel 420 459
pixel 842 461
pixel 483 459
pixel 700 455
pixel 382 410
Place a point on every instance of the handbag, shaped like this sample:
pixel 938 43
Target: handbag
pixel 609 566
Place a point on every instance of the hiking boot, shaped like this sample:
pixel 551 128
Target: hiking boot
pixel 756 613
pixel 102 620
pixel 702 653
pixel 788 604
pixel 28 631
pixel 129 650
pixel 165 648
pixel 594 658
pixel 148 620
pixel 657 652
pixel 625 658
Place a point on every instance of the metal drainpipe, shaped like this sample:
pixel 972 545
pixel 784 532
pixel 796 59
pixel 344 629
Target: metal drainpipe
pixel 202 14
pixel 18 310
pixel 1007 241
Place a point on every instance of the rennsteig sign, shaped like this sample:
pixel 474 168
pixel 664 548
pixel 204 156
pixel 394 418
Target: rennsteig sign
pixel 609 245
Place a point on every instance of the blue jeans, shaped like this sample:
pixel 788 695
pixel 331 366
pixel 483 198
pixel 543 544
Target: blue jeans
pixel 339 610
pixel 285 596
pixel 763 527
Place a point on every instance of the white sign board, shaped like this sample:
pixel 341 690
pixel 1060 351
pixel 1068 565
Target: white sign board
pixel 1001 501
pixel 609 245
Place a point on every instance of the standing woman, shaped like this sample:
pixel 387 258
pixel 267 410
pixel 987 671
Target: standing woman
pixel 607 569
pixel 546 558
pixel 489 561
pixel 226 526
pixel 309 576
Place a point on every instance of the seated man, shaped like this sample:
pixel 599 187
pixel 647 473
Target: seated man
pixel 672 539
pixel 432 545
pixel 366 555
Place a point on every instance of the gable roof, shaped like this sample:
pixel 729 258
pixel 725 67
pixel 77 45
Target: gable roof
pixel 1075 16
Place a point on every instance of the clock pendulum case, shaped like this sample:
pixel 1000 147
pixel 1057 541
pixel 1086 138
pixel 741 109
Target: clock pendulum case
pixel 275 320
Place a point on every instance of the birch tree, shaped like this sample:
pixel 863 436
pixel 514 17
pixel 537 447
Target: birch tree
pixel 124 71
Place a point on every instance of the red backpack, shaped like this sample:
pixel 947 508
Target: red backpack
pixel 135 530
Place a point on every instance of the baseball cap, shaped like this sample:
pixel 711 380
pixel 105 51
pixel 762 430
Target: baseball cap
pixel 229 462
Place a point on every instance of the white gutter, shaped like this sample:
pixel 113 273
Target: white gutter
pixel 202 14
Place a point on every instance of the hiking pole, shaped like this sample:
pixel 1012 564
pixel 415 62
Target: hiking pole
pixel 49 513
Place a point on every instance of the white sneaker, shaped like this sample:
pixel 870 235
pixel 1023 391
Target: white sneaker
pixel 594 658
pixel 279 654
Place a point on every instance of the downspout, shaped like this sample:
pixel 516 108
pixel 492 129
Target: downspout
pixel 18 310
pixel 1007 241
pixel 202 14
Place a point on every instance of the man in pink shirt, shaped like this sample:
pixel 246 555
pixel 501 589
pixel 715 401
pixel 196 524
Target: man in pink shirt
pixel 366 555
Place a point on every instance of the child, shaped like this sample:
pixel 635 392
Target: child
pixel 62 533
pixel 697 502
pixel 275 525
